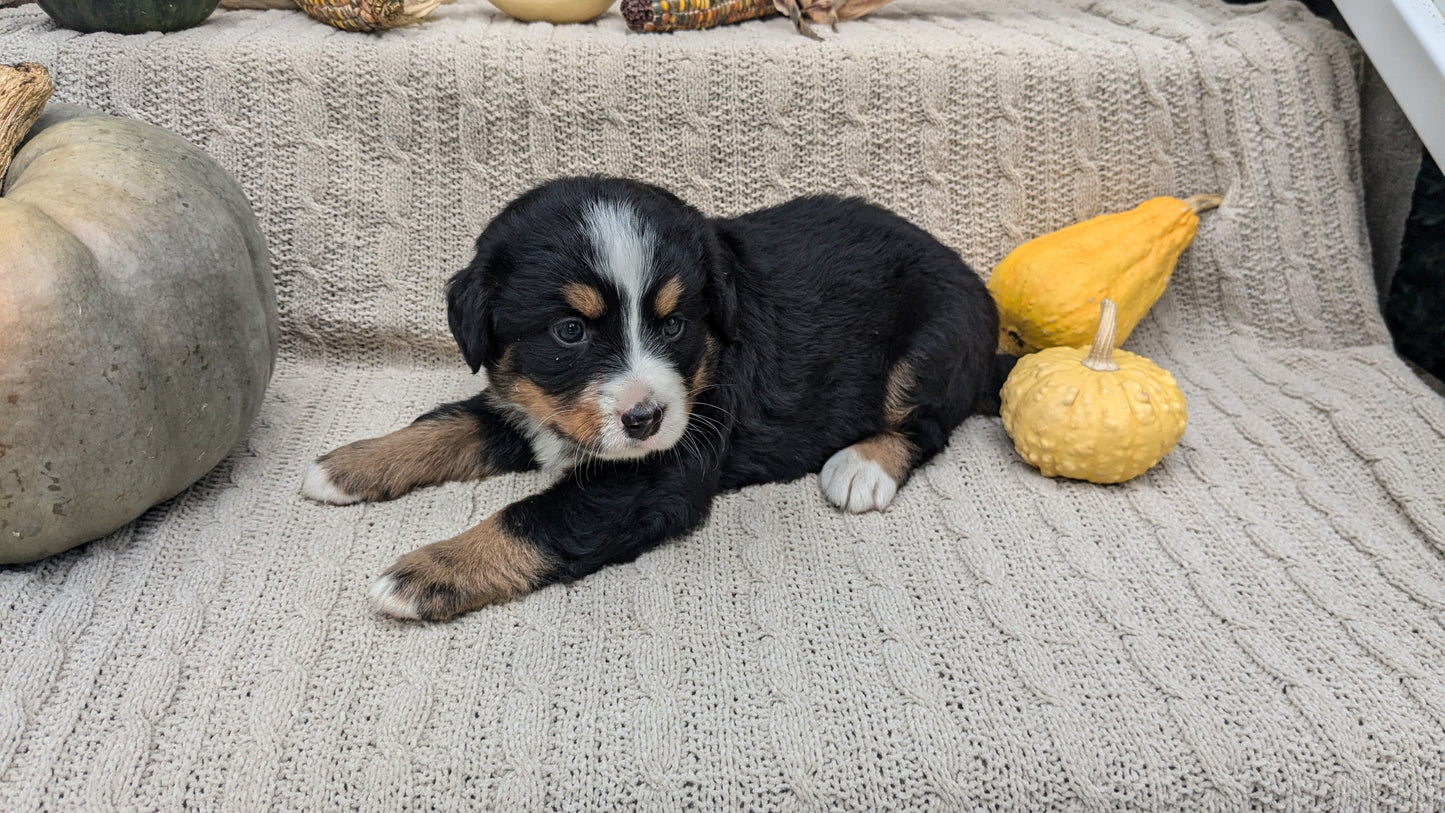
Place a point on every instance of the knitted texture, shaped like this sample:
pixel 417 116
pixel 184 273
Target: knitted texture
pixel 1259 621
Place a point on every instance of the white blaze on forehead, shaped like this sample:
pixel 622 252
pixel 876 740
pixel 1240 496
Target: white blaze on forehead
pixel 624 247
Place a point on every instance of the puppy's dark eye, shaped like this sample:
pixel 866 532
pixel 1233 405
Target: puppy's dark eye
pixel 672 326
pixel 569 331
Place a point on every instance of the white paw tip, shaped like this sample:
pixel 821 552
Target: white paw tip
pixel 856 484
pixel 383 595
pixel 317 485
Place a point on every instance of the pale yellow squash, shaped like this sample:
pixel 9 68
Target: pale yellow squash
pixel 1096 413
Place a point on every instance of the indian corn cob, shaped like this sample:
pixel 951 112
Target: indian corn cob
pixel 680 15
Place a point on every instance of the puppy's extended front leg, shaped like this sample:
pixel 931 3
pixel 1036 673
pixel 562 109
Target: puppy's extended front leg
pixel 466 440
pixel 608 513
pixel 486 564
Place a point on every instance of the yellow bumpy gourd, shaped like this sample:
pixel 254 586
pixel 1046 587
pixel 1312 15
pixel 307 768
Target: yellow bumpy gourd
pixel 1048 289
pixel 1096 413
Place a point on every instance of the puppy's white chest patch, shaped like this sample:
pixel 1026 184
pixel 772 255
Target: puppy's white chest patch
pixel 552 452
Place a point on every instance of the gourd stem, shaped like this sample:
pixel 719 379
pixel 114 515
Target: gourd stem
pixel 1203 203
pixel 24 89
pixel 1101 355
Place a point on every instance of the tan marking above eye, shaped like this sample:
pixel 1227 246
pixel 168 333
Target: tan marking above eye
pixel 584 299
pixel 667 297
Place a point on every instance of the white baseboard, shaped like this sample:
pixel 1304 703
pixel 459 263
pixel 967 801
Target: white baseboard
pixel 1406 41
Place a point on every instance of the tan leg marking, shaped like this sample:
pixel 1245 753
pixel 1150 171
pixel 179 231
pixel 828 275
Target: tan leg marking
pixel 426 453
pixel 897 405
pixel 585 299
pixel 667 297
pixel 866 475
pixel 475 568
pixel 890 450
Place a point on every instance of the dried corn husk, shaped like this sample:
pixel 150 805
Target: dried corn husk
pixel 368 15
pixel 350 15
pixel 24 89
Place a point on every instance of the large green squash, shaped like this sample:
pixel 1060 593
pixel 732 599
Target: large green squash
pixel 137 326
pixel 128 16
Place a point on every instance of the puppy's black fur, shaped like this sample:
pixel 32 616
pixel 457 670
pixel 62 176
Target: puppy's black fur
pixel 838 292
pixel 796 332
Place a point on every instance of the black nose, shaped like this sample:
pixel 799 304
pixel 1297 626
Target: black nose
pixel 642 421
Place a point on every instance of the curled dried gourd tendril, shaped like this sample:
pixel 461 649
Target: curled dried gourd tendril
pixel 24 89
pixel 824 12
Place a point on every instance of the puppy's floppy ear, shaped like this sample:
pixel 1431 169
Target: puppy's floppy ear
pixel 468 312
pixel 721 290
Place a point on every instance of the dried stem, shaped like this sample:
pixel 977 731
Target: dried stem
pixel 1101 355
pixel 1203 203
pixel 24 89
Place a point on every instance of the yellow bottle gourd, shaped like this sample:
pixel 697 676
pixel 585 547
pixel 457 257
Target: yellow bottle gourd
pixel 1095 413
pixel 1048 289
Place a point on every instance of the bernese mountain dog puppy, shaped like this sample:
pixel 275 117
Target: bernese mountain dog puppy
pixel 654 357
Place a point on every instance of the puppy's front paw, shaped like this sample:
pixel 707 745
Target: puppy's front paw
pixel 856 484
pixel 388 596
pixel 433 450
pixel 317 485
pixel 418 590
pixel 482 566
pixel 356 472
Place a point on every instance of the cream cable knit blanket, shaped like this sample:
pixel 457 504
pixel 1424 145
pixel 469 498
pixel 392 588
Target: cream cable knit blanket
pixel 1256 622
